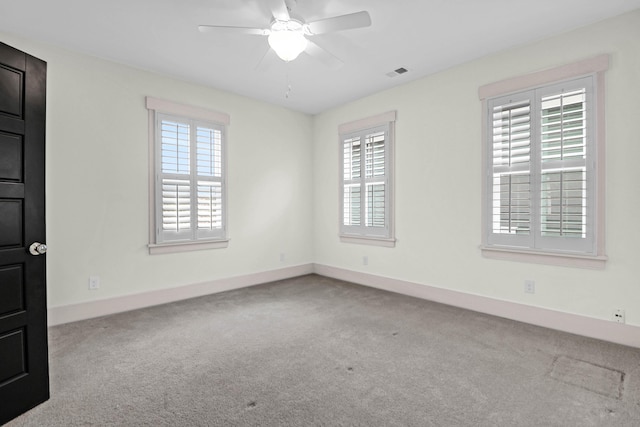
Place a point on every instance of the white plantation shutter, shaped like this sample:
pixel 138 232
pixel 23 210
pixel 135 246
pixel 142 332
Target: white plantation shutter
pixel 351 181
pixel 541 179
pixel 209 205
pixel 567 196
pixel 563 188
pixel 176 205
pixel 365 163
pixel 375 179
pixel 190 189
pixel 209 180
pixel 175 146
pixel 511 164
pixel 175 166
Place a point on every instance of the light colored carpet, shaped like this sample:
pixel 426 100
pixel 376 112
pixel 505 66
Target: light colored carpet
pixel 314 351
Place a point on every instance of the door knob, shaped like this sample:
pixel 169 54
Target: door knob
pixel 37 248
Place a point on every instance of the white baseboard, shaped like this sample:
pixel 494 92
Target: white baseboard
pixel 567 322
pixel 87 310
pixel 581 325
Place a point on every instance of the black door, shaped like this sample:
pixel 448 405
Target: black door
pixel 24 371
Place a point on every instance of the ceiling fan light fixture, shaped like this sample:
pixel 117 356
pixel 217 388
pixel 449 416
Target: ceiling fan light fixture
pixel 287 39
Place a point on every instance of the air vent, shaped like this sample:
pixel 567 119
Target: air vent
pixel 397 72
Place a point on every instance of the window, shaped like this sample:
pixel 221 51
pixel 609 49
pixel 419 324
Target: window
pixel 544 151
pixel 188 177
pixel 366 196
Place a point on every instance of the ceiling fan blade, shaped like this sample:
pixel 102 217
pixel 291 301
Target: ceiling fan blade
pixel 267 60
pixel 279 10
pixel 323 56
pixel 231 29
pixel 339 23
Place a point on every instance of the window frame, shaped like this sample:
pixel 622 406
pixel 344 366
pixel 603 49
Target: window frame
pixel 362 234
pixel 194 116
pixel 542 82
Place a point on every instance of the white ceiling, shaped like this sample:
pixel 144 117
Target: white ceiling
pixel 423 36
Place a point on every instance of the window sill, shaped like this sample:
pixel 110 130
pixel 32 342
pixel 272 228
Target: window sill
pixel 168 248
pixel 596 262
pixel 368 240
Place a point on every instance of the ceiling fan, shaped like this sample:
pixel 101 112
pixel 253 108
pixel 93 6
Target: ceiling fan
pixel 288 36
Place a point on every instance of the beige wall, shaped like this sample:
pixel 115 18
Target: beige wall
pixel 438 180
pixel 97 181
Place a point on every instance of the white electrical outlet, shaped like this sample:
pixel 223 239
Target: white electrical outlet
pixel 94 282
pixel 282 257
pixel 529 287
pixel 365 260
pixel 618 315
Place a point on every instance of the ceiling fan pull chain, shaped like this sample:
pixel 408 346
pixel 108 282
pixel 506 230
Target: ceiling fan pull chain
pixel 289 88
